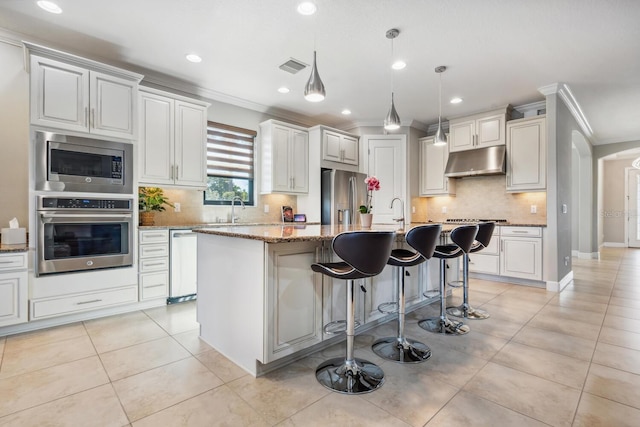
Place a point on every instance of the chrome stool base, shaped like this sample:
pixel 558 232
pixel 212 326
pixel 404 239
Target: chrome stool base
pixel 356 376
pixel 401 350
pixel 469 313
pixel 440 325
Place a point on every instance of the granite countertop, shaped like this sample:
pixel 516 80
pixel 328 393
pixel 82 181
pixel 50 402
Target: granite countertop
pixel 23 247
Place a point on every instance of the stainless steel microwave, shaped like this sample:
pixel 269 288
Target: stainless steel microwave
pixel 73 163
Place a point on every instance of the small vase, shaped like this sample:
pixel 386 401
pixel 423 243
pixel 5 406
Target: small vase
pixel 146 218
pixel 365 220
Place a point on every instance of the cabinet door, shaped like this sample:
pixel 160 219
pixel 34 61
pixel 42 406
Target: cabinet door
pixel 112 105
pixel 490 131
pixel 350 150
pixel 13 298
pixel 156 139
pixel 280 159
pixel 59 95
pixel 521 257
pixel 293 299
pixel 299 165
pixel 388 162
pixel 433 161
pixel 462 135
pixel 190 145
pixel 331 146
pixel 526 156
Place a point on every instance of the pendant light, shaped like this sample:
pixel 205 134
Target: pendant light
pixel 314 90
pixel 441 137
pixel 392 121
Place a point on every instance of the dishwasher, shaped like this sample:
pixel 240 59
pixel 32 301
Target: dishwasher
pixel 183 266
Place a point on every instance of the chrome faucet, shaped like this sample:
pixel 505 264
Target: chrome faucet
pixel 233 215
pixel 401 219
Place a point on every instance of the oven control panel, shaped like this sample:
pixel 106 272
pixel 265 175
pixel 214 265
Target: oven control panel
pixel 84 203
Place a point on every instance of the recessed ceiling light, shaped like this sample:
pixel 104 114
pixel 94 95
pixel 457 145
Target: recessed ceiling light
pixel 49 6
pixel 192 57
pixel 283 89
pixel 456 100
pixel 398 65
pixel 346 111
pixel 307 8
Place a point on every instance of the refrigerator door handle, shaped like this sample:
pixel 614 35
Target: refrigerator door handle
pixel 352 197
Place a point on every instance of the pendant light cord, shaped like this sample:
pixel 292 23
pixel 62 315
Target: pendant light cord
pixel 440 99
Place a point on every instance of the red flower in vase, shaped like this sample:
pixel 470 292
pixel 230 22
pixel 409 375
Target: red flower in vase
pixel 372 185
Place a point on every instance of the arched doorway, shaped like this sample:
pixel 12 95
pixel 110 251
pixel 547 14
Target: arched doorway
pixel 582 230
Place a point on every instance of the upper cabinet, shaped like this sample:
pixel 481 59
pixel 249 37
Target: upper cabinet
pixel 173 140
pixel 285 158
pixel 433 160
pixel 71 93
pixel 478 131
pixel 338 148
pixel 527 155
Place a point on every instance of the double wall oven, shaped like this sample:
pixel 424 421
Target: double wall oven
pixel 84 212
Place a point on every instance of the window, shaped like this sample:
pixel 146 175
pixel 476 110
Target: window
pixel 229 164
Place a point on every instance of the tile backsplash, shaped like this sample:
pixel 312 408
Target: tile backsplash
pixel 483 197
pixel 194 211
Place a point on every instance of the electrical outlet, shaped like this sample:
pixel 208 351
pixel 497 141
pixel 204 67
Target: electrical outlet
pixel 266 208
pixel 413 209
pixel 176 207
pixel 444 209
pixel 565 208
pixel 534 209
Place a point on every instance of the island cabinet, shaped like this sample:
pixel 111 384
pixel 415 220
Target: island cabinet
pixel 13 288
pixel 173 140
pixel 478 131
pixel 433 161
pixel 71 93
pixel 285 158
pixel 526 155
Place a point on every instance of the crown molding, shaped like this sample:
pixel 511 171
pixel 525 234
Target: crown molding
pixel 549 89
pixel 531 109
pixel 563 90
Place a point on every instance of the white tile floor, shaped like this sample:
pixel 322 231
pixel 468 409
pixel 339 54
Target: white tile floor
pixel 568 359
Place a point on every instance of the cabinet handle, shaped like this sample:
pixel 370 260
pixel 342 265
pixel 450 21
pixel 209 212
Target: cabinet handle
pixel 177 174
pixel 154 235
pixel 153 264
pixel 6 262
pixel 154 250
pixel 92 123
pixel 171 175
pixel 519 231
pixel 88 302
pixel 154 286
pixel 86 117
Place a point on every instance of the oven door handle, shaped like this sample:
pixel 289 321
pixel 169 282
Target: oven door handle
pixel 93 217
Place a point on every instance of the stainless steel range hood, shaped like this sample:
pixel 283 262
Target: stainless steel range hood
pixel 481 161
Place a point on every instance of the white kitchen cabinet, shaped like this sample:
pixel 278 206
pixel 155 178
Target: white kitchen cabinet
pixel 73 96
pixel 153 264
pixel 285 158
pixel 339 147
pixel 527 155
pixel 13 288
pixel 478 131
pixel 173 140
pixel 521 252
pixel 293 299
pixel 488 259
pixel 433 161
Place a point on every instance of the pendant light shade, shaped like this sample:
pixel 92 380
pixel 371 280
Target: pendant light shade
pixel 441 137
pixel 314 90
pixel 392 121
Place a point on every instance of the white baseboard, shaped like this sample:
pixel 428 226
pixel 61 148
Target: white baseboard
pixel 558 286
pixel 614 245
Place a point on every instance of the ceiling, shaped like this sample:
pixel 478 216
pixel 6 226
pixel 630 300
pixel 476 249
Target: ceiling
pixel 497 52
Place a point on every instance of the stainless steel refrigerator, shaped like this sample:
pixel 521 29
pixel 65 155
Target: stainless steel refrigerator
pixel 342 194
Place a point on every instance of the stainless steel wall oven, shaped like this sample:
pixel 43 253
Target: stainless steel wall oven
pixel 73 163
pixel 79 234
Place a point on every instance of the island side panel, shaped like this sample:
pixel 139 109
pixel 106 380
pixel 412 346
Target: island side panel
pixel 230 297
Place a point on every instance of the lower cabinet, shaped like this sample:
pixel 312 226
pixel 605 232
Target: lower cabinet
pixel 49 307
pixel 13 288
pixel 521 252
pixel 293 299
pixel 153 264
pixel 487 260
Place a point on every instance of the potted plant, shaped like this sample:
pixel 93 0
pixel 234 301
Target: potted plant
pixel 366 217
pixel 151 200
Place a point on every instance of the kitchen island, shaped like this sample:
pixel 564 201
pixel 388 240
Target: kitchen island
pixel 260 304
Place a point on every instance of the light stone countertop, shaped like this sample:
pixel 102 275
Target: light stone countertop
pixel 23 247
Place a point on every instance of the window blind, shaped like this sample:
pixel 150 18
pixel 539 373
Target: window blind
pixel 229 151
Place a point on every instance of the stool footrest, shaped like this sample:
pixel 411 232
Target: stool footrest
pixel 431 294
pixel 338 327
pixel 388 307
pixel 456 283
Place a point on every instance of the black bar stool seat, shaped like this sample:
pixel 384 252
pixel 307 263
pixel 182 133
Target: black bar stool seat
pixel 364 254
pixel 399 348
pixel 463 238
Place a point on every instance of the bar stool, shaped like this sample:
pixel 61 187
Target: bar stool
pixel 485 232
pixel 399 348
pixel 462 237
pixel 364 254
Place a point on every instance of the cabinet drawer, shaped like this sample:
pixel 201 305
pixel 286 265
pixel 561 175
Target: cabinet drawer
pixel 483 263
pixel 154 236
pixel 89 301
pixel 154 264
pixel 149 251
pixel 154 285
pixel 521 231
pixel 13 262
